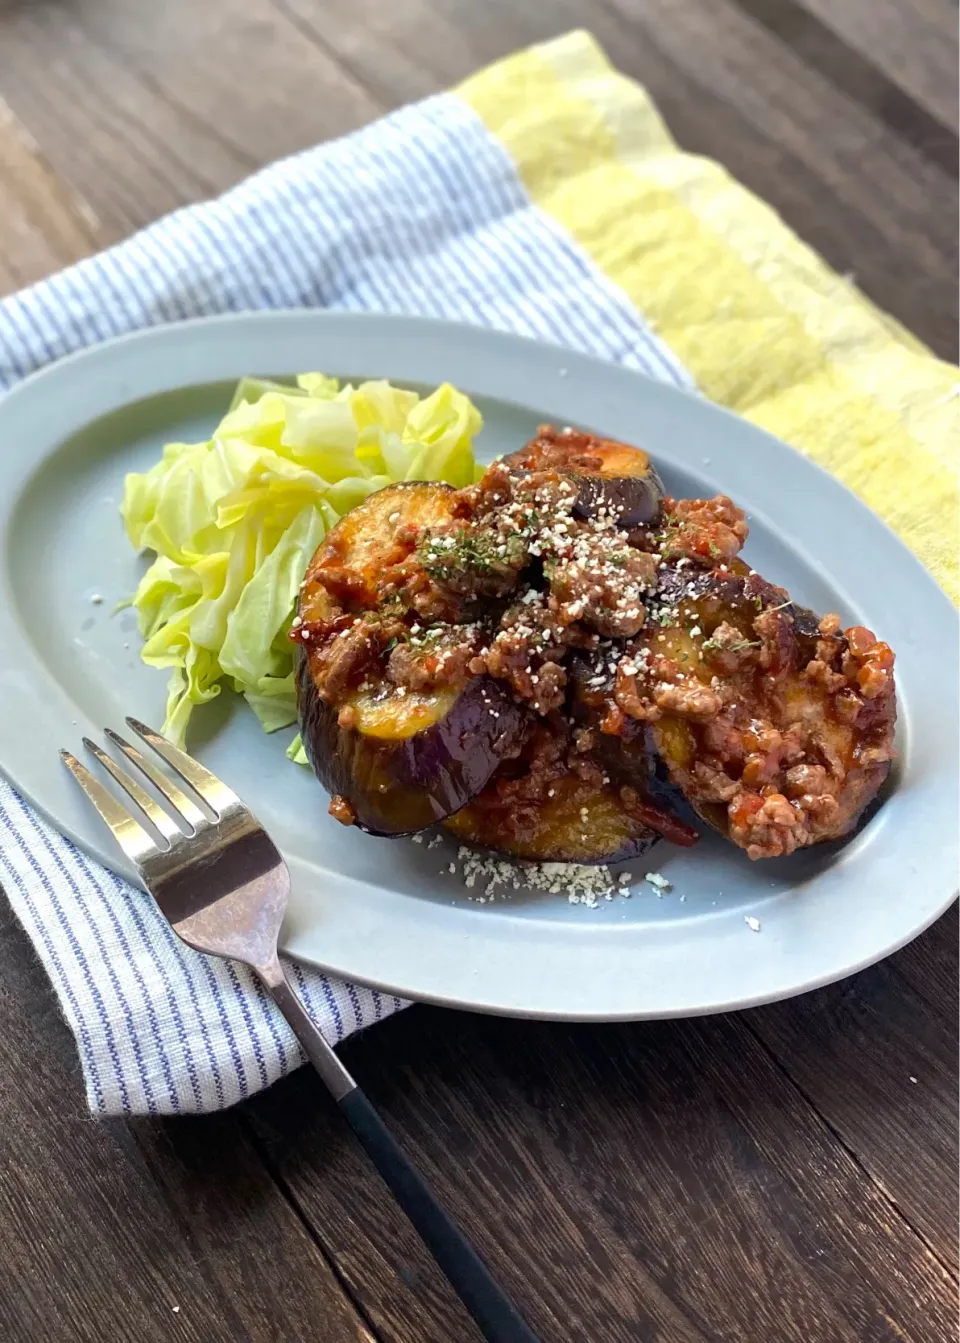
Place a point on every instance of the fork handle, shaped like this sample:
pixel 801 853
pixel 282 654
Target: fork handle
pixel 491 1308
pixel 495 1314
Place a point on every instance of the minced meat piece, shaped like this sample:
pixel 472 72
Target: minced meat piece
pixel 474 560
pixel 340 659
pixel 727 648
pixel 527 649
pixel 709 531
pixel 648 688
pixel 688 698
pixel 341 810
pixel 431 663
pixel 566 450
pixel 766 826
pixel 602 582
pixel 540 683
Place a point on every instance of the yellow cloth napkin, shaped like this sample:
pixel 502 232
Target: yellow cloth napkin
pixel 762 323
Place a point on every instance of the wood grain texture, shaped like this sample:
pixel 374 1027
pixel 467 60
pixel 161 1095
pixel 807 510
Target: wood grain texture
pixel 776 1176
pixel 876 1056
pixel 676 1164
pixel 43 224
pixel 139 119
pixel 147 107
pixel 861 193
pixel 137 1232
pixel 807 30
pixel 912 41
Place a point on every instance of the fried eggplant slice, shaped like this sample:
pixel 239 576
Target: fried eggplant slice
pixel 573 826
pixel 626 752
pixel 397 752
pixel 553 802
pixel 608 475
pixel 368 546
pixel 403 762
pixel 775 726
pixel 561 663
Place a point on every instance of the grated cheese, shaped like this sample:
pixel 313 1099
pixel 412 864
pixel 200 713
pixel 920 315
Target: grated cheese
pixel 582 884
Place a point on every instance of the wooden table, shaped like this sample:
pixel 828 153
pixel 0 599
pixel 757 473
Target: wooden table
pixel 788 1173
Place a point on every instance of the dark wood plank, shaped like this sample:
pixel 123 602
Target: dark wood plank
pixel 912 41
pixel 649 1181
pixel 806 29
pixel 148 107
pixel 929 965
pixel 137 1233
pixel 43 224
pixel 847 183
pixel 142 121
pixel 877 1056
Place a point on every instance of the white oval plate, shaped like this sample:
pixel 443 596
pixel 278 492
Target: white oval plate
pixel 389 913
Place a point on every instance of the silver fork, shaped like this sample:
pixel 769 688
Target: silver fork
pixel 220 881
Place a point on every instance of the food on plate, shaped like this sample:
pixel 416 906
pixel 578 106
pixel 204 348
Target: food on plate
pixel 234 520
pixel 607 474
pixel 399 762
pixel 775 726
pixel 398 751
pixel 537 809
pixel 803 737
pixel 607 659
pixel 552 657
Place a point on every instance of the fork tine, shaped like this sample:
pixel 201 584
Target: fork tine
pixel 177 798
pixel 129 834
pixel 216 794
pixel 152 810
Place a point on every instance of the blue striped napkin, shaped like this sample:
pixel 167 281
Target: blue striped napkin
pixel 423 213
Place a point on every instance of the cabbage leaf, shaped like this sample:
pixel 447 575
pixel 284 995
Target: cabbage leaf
pixel 234 521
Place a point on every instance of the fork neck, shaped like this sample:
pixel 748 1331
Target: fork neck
pixel 272 973
pixel 335 1076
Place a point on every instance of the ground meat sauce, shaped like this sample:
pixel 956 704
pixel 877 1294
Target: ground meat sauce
pixel 341 810
pixel 648 654
pixel 776 727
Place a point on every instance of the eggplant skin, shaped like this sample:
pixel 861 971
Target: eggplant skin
pixel 632 759
pixel 609 476
pixel 635 500
pixel 398 785
pixel 559 833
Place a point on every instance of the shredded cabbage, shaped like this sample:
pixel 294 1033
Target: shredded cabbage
pixel 234 522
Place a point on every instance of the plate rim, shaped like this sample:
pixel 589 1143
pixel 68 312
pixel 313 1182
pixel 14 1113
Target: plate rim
pixel 108 362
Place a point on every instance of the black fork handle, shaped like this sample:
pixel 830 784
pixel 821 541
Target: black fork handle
pixel 495 1314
